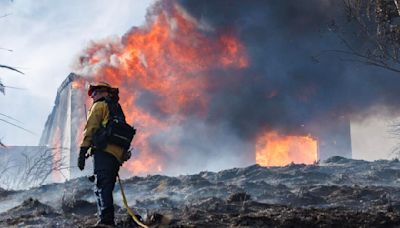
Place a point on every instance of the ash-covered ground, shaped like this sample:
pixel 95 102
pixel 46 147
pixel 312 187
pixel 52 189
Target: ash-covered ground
pixel 338 192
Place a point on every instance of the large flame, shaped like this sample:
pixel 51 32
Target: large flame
pixel 273 149
pixel 168 63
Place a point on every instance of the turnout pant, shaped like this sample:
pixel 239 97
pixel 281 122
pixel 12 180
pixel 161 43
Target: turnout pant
pixel 106 168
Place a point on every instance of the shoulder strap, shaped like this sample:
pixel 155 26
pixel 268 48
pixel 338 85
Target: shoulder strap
pixel 115 110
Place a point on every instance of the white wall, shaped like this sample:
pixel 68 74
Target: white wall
pixel 371 138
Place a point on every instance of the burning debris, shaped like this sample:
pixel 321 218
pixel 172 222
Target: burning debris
pixel 275 150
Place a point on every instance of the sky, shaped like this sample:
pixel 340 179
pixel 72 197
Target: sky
pixel 45 38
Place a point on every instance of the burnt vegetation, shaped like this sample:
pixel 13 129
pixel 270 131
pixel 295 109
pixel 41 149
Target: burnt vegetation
pixel 372 37
pixel 33 169
pixel 377 24
pixel 338 192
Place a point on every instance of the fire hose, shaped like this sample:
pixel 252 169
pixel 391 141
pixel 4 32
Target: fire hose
pixel 130 211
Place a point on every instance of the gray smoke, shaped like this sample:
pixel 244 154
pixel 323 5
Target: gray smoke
pixel 292 80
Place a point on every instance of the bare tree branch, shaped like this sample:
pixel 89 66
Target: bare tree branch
pixel 1 114
pixel 11 68
pixel 12 87
pixel 374 20
pixel 376 25
pixel 2 145
pixel 6 49
pixel 397 2
pixel 34 170
pixel 18 126
pixel 2 88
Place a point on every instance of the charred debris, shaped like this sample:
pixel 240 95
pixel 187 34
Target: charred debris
pixel 338 192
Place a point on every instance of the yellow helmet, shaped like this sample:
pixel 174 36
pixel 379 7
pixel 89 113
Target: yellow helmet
pixel 100 86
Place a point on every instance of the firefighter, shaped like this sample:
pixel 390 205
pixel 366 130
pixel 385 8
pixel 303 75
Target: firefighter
pixel 106 161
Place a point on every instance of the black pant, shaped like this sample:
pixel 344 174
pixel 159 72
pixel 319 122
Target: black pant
pixel 106 168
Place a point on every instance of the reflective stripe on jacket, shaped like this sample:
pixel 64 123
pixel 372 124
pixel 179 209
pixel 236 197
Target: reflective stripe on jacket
pixel 99 115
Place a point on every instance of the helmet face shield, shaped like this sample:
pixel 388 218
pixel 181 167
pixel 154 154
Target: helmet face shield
pixel 94 93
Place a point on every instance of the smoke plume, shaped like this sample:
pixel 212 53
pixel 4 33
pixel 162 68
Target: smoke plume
pixel 202 79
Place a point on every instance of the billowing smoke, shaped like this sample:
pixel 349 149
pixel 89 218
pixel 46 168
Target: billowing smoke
pixel 201 79
pixel 293 78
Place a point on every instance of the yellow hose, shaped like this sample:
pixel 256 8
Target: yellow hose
pixel 127 207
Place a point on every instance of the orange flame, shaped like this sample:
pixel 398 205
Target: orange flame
pixel 273 149
pixel 170 60
pixel 78 84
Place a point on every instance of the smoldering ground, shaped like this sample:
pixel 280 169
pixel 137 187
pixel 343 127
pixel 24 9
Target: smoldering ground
pixel 366 194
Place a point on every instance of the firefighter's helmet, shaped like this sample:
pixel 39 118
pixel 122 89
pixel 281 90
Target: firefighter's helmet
pixel 100 86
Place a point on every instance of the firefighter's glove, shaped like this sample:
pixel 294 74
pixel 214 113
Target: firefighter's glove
pixel 81 158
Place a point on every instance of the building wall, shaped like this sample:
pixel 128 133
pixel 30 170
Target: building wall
pixel 63 128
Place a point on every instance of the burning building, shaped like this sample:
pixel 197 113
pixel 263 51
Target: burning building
pixel 63 128
pixel 214 86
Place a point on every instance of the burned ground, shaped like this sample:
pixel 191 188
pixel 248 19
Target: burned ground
pixel 337 192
